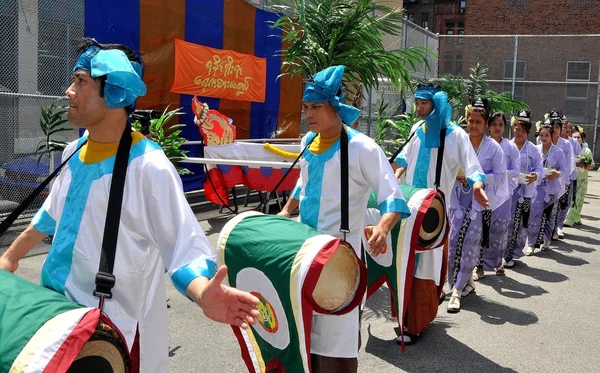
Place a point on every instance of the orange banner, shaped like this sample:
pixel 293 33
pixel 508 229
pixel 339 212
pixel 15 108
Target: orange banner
pixel 226 74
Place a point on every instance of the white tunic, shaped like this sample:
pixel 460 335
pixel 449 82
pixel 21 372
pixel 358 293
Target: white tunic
pixel 319 192
pixel 158 229
pixel 420 164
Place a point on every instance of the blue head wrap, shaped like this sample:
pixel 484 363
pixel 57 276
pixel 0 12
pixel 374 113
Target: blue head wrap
pixel 123 77
pixel 440 116
pixel 325 87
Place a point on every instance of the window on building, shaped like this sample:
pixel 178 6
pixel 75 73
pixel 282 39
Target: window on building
pixel 411 17
pixel 448 63
pixel 576 97
pixel 452 63
pixel 463 6
pixel 450 31
pixel 425 20
pixel 459 63
pixel 520 75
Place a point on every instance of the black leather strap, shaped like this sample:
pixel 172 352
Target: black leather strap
pixel 105 280
pixel 6 223
pixel 344 225
pixel 440 158
pixel 393 157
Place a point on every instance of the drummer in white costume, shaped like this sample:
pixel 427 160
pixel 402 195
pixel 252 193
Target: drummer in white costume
pixel 335 339
pixel 417 163
pixel 158 229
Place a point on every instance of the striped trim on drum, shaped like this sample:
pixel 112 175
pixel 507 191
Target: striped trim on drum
pixel 304 258
pixel 54 337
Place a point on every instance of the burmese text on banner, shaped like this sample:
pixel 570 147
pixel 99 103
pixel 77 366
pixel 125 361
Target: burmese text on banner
pixel 218 73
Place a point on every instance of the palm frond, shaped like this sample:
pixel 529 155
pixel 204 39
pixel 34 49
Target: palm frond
pixel 347 32
pixel 460 90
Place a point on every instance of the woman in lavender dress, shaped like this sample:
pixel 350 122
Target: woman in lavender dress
pixel 492 256
pixel 555 119
pixel 468 219
pixel 530 175
pixel 544 206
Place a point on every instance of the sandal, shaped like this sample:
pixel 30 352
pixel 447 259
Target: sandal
pixel 500 268
pixel 509 263
pixel 478 274
pixel 468 289
pixel 453 304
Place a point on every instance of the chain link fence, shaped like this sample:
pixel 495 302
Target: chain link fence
pixel 38 42
pixel 545 71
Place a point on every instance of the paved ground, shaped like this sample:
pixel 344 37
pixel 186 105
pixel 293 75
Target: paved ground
pixel 541 317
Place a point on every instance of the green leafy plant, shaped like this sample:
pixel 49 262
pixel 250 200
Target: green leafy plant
pixel 392 130
pixel 323 33
pixel 586 160
pixel 460 90
pixel 169 138
pixel 51 123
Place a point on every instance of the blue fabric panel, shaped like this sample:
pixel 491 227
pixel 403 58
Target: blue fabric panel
pixel 113 21
pixel 267 41
pixel 203 27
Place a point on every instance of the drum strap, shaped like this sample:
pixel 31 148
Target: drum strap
pixel 10 219
pixel 344 225
pixel 105 280
pixel 393 157
pixel 440 158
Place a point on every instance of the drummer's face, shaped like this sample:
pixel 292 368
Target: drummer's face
pixel 424 108
pixel 320 116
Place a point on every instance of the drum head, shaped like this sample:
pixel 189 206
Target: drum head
pixel 338 281
pixel 433 223
pixel 104 353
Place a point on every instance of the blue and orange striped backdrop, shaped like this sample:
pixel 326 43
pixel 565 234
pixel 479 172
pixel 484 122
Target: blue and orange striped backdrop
pixel 150 26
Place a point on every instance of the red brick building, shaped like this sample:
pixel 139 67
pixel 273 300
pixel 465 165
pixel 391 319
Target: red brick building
pixel 444 17
pixel 552 71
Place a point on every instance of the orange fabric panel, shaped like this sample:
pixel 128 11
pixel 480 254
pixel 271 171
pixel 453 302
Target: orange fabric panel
pixel 238 35
pixel 290 103
pixel 161 21
pixel 211 72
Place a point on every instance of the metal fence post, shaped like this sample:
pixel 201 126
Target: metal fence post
pixel 426 47
pixel 597 112
pixel 405 36
pixel 514 76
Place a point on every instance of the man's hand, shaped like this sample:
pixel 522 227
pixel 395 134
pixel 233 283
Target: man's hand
pixel 462 180
pixel 285 214
pixel 20 247
pixel 531 178
pixel 225 304
pixel 480 195
pixel 377 236
pixel 8 265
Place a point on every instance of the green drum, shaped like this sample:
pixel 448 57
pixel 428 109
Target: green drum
pixel 43 331
pixel 425 229
pixel 294 270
